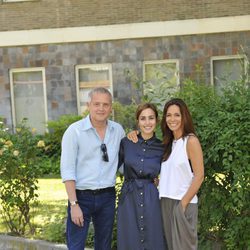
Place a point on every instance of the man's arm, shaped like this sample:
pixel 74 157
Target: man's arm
pixel 75 210
pixel 68 159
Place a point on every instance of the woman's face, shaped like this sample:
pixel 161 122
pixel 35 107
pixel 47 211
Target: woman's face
pixel 174 119
pixel 147 123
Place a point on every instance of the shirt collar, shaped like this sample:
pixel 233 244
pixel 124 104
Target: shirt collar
pixel 148 142
pixel 86 124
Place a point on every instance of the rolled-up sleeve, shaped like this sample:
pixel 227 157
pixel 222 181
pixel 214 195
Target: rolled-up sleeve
pixel 69 155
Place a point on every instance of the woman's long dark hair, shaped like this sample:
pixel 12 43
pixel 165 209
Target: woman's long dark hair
pixel 186 123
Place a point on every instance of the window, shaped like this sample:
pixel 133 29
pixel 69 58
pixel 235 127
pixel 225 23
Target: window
pixel 162 79
pixel 28 97
pixel 225 69
pixel 89 77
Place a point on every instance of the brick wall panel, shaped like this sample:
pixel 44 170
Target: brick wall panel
pixel 67 13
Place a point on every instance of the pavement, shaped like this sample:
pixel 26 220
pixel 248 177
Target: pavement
pixel 18 243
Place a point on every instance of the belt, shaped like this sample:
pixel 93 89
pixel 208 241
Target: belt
pixel 130 184
pixel 96 191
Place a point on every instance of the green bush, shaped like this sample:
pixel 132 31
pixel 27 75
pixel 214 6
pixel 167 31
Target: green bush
pixel 55 230
pixel 222 122
pixel 19 170
pixel 49 166
pixel 56 130
pixel 50 160
pixel 125 115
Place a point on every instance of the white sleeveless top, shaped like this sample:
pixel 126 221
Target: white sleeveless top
pixel 176 174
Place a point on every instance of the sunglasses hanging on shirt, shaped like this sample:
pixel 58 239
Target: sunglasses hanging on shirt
pixel 105 156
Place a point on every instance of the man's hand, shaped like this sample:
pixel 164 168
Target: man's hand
pixel 77 215
pixel 132 136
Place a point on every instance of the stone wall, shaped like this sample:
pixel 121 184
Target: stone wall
pixel 42 14
pixel 60 60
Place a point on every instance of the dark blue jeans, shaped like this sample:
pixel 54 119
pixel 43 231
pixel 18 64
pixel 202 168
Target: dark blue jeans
pixel 101 209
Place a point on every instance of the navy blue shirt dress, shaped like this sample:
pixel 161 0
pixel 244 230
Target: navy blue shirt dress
pixel 139 222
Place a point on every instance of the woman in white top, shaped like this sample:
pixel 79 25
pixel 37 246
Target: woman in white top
pixel 182 173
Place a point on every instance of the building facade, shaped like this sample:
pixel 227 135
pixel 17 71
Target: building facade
pixel 52 53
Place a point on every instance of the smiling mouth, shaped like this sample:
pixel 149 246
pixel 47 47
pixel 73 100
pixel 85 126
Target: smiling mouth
pixel 173 125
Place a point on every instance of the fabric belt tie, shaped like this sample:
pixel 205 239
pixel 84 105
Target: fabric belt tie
pixel 130 184
pixel 96 191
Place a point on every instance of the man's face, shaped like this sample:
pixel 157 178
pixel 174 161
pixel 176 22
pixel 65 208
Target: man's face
pixel 100 107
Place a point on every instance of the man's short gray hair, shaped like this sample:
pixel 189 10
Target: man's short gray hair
pixel 99 90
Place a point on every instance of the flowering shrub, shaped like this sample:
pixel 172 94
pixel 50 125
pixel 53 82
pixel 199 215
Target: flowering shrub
pixel 19 170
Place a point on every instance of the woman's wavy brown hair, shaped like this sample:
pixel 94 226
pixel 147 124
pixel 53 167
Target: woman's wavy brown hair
pixel 186 123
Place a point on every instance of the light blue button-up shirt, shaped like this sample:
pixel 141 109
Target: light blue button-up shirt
pixel 81 158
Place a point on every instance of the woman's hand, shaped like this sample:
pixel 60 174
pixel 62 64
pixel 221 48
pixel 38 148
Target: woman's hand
pixel 183 205
pixel 156 181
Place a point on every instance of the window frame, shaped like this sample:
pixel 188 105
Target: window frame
pixel 85 66
pixel 20 70
pixel 229 57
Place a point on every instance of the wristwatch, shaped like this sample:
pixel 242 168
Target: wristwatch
pixel 73 203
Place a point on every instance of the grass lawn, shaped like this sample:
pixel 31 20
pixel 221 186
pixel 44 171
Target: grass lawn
pixel 49 215
pixel 50 212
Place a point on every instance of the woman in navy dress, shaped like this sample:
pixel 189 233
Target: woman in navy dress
pixel 139 222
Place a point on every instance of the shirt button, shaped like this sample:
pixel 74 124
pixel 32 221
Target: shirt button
pixel 141 205
pixel 142 241
pixel 141 193
pixel 142 160
pixel 142 217
pixel 141 228
pixel 140 171
pixel 144 149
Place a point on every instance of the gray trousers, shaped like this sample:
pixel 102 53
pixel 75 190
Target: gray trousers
pixel 180 228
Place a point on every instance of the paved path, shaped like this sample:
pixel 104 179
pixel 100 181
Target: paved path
pixel 18 243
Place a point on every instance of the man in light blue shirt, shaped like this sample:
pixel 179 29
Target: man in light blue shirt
pixel 89 162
